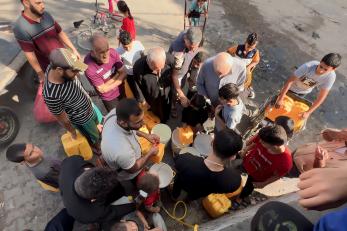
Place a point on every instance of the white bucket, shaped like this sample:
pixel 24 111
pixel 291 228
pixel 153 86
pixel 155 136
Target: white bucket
pixel 202 144
pixel 165 173
pixel 190 150
pixel 176 145
pixel 163 131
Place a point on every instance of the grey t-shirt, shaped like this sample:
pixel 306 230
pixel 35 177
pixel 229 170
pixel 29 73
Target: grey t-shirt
pixel 308 79
pixel 208 82
pixel 231 115
pixel 47 171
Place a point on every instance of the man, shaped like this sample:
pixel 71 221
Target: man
pixel 152 74
pixel 184 48
pixel 67 100
pixel 44 168
pixel 200 177
pixel 249 54
pixel 38 34
pixel 87 192
pixel 130 51
pixel 105 72
pixel 218 71
pixel 310 75
pixel 120 148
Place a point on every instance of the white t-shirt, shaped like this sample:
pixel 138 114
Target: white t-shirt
pixel 130 57
pixel 120 148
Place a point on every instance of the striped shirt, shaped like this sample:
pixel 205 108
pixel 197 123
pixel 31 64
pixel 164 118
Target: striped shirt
pixel 69 97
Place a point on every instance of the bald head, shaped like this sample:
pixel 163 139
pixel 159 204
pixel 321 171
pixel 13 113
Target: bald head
pixel 156 58
pixel 100 48
pixel 222 64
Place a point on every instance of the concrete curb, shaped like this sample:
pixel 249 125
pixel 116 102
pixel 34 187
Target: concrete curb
pixel 235 218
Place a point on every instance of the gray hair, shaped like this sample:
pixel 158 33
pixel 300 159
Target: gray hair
pixel 156 54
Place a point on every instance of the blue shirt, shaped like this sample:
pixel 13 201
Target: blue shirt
pixel 335 221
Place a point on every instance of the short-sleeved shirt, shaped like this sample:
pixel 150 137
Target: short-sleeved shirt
pixel 308 79
pixel 120 148
pixel 231 115
pixel 69 97
pixel 247 58
pixel 130 57
pixel 209 83
pixel 99 74
pixel 128 24
pixel 199 181
pixel 38 37
pixel 195 7
pixel 151 198
pixel 47 171
pixel 261 165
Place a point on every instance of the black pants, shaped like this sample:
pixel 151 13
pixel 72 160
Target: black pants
pixel 109 105
pixel 276 215
pixel 61 222
pixel 248 188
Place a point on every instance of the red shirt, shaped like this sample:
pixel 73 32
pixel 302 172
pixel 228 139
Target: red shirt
pixel 152 197
pixel 129 25
pixel 38 37
pixel 261 165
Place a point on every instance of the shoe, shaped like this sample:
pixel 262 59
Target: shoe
pixel 251 93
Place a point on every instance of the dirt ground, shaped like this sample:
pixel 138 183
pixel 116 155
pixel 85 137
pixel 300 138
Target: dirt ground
pixel 292 32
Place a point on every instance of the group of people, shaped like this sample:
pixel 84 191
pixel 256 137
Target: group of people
pixel 161 82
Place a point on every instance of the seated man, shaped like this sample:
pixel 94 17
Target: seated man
pixel 218 71
pixel 229 113
pixel 310 75
pixel 88 192
pixel 44 168
pixel 266 158
pixel 105 72
pixel 199 177
pixel 249 54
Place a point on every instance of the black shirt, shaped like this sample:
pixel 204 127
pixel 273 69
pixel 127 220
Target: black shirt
pixel 84 211
pixel 199 181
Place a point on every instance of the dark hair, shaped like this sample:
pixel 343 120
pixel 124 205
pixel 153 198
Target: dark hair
pixel 15 153
pixel 119 226
pixel 332 59
pixel 96 183
pixel 126 108
pixel 200 57
pixel 227 143
pixel 123 8
pixel 273 135
pixel 148 183
pixel 125 37
pixel 252 38
pixel 229 91
pixel 198 101
pixel 287 123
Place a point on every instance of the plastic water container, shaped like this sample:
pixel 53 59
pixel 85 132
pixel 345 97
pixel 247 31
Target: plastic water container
pixel 202 144
pixel 190 150
pixel 216 204
pixel 163 131
pixel 150 120
pixel 165 173
pixel 146 146
pixel 128 92
pixel 47 187
pixel 176 145
pixel 80 146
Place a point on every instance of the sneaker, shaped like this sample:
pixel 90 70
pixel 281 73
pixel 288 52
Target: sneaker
pixel 251 93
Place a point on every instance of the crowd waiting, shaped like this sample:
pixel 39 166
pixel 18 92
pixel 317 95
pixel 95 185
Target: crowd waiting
pixel 163 82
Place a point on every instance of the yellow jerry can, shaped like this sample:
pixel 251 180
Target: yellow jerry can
pixel 128 92
pixel 47 187
pixel 185 135
pixel 80 146
pixel 150 120
pixel 146 146
pixel 216 204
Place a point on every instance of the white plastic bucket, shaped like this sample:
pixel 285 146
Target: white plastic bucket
pixel 202 144
pixel 163 131
pixel 190 150
pixel 176 145
pixel 165 173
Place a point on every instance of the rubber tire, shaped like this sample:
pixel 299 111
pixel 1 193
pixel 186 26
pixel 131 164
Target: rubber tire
pixel 14 123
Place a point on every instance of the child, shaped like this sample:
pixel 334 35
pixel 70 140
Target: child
pixel 193 71
pixel 229 113
pixel 288 125
pixel 266 158
pixel 196 113
pixel 197 8
pixel 128 21
pixel 248 53
pixel 45 169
